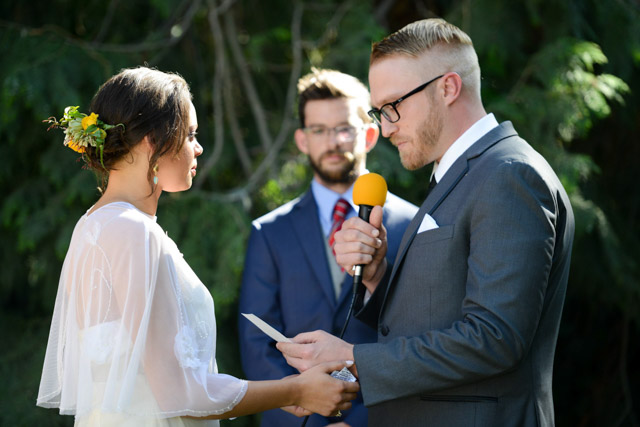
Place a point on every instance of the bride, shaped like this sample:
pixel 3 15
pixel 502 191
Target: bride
pixel 133 334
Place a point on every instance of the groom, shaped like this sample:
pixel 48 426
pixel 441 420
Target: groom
pixel 468 315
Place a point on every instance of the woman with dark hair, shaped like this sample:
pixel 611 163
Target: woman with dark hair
pixel 133 333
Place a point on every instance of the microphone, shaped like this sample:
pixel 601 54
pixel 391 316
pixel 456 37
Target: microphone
pixel 369 190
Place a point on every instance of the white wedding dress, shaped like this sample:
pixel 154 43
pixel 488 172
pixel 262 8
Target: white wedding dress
pixel 133 334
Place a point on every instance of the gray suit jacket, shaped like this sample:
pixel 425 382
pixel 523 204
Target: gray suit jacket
pixel 468 319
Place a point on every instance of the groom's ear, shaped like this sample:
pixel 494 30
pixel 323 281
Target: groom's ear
pixel 451 87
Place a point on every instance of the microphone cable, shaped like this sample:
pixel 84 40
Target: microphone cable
pixel 357 280
pixel 369 190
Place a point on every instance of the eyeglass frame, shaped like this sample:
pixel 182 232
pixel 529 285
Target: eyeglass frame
pixel 327 132
pixel 377 113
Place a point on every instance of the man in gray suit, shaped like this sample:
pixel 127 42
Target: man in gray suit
pixel 468 314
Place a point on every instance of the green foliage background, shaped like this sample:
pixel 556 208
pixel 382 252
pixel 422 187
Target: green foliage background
pixel 564 71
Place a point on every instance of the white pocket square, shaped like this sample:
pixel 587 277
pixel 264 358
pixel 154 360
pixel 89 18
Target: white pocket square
pixel 428 223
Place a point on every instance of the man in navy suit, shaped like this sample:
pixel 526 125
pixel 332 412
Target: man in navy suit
pixel 291 279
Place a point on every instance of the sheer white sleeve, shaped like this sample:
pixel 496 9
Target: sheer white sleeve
pixel 133 329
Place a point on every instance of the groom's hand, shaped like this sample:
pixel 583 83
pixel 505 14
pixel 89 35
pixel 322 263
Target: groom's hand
pixel 363 243
pixel 312 348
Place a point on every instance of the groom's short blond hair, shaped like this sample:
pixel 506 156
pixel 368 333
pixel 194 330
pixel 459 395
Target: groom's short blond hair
pixel 447 46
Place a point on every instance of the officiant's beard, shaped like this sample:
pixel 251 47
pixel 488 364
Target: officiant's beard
pixel 346 174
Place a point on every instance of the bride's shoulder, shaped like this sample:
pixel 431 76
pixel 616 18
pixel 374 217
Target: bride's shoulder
pixel 123 221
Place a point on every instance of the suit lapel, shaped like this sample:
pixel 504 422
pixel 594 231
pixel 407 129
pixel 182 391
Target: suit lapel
pixel 407 238
pixel 306 226
pixel 449 181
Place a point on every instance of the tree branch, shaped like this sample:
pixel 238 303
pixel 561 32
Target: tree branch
pixel 628 412
pixel 236 134
pixel 185 23
pixel 216 97
pixel 242 193
pixel 331 26
pixel 106 22
pixel 107 47
pixel 247 82
pixel 382 11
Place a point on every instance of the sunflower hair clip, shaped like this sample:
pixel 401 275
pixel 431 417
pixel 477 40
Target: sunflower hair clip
pixel 81 130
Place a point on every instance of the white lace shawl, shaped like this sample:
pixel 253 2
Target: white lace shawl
pixel 133 329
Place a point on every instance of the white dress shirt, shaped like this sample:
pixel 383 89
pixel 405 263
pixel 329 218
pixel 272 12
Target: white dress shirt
pixel 326 200
pixel 462 144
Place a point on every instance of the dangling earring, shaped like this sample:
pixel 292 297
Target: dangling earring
pixel 155 174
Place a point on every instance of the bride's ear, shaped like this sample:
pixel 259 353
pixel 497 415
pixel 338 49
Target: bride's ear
pixel 143 150
pixel 146 141
pixel 145 146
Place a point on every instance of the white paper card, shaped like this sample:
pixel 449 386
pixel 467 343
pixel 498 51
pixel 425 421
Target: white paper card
pixel 428 223
pixel 266 328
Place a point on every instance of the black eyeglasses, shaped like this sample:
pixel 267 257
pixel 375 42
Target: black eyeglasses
pixel 389 110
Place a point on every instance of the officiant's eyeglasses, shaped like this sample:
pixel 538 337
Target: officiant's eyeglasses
pixel 389 110
pixel 344 134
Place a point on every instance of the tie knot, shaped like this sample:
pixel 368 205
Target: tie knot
pixel 432 184
pixel 340 210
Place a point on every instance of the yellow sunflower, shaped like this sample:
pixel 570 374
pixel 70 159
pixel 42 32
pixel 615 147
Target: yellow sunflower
pixel 89 120
pixel 75 147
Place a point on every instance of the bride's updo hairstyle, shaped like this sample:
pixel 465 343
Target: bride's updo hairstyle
pixel 148 103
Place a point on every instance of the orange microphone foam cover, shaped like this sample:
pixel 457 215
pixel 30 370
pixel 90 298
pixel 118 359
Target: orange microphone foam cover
pixel 370 189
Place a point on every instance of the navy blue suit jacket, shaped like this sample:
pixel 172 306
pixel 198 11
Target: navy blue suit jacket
pixel 287 283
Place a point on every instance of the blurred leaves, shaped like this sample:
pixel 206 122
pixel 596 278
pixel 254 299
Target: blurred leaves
pixel 565 72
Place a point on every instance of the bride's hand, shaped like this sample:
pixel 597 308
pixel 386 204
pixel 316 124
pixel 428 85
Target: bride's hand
pixel 323 394
pixel 296 410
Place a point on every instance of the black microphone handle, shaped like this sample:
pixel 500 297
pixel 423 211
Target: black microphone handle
pixel 363 213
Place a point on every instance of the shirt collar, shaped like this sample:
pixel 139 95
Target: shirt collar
pixel 326 200
pixel 462 144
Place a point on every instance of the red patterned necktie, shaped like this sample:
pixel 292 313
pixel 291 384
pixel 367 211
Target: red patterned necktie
pixel 339 214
